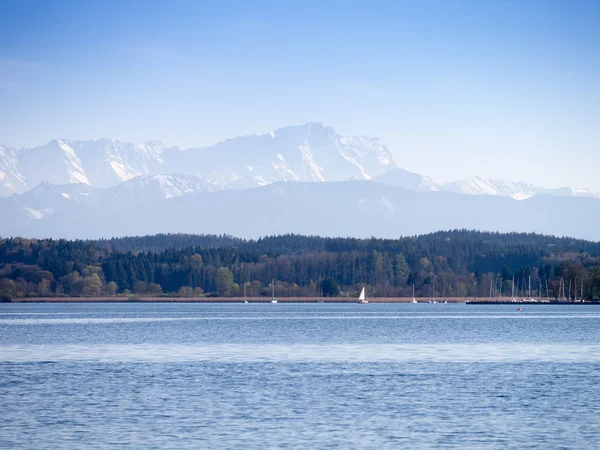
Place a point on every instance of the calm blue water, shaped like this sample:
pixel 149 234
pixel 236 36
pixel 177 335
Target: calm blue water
pixel 299 376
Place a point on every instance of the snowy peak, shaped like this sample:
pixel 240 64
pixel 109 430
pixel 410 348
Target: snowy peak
pixel 477 185
pixel 518 190
pixel 494 186
pixel 11 180
pixel 56 163
pixel 309 152
pixel 109 162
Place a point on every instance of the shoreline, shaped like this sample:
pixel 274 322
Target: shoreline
pixel 141 299
pixel 347 300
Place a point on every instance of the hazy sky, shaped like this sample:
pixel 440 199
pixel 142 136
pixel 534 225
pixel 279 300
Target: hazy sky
pixel 455 88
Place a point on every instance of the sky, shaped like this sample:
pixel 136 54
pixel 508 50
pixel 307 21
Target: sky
pixel 454 88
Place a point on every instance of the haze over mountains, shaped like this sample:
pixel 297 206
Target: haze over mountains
pixel 106 187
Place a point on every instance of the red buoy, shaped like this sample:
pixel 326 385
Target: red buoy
pixel 518 309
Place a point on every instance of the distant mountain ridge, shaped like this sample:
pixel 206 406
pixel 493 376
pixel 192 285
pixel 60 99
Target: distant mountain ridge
pixel 477 185
pixel 310 152
pixel 169 204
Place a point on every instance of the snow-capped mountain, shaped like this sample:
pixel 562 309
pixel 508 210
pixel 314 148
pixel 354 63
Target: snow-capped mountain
pixel 311 152
pixel 108 162
pixel 11 180
pixel 494 186
pixel 518 190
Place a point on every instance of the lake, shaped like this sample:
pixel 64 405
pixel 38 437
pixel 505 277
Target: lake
pixel 299 376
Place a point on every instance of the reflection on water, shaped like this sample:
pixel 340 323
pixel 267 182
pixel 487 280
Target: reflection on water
pixel 299 376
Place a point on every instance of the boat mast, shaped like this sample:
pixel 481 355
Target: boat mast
pixel 444 289
pixel 512 292
pixel 569 297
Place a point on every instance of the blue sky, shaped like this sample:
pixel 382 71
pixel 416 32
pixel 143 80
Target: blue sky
pixel 455 88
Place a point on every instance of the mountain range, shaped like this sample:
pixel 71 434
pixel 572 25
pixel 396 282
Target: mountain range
pixel 305 179
pixel 310 152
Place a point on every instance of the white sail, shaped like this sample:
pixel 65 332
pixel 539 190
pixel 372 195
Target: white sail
pixel 362 294
pixel 273 300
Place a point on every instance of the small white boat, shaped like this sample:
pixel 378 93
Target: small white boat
pixel 414 300
pixel 273 300
pixel 245 299
pixel 362 298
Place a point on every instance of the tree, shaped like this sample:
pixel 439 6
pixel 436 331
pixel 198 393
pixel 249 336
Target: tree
pixel 8 289
pixel 154 289
pixel 330 288
pixel 185 292
pixel 111 288
pixel 505 274
pixel 225 283
pixel 198 292
pixel 90 286
pixel 43 287
pixel 400 269
pixel 140 288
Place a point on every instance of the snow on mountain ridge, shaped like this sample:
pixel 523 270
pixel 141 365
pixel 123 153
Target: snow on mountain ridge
pixel 309 152
pixel 518 190
pixel 477 185
pixel 11 180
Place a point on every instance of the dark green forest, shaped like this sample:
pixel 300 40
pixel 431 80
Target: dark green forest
pixel 458 263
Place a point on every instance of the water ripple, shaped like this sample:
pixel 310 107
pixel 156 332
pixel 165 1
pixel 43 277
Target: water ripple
pixel 346 353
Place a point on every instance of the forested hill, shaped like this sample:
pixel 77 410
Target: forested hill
pixel 468 263
pixel 292 243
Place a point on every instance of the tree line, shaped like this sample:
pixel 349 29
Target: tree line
pixel 457 263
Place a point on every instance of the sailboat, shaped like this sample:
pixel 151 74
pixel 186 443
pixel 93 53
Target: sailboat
pixel 362 298
pixel 529 298
pixel 445 290
pixel 273 300
pixel 414 300
pixel 512 295
pixel 245 299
